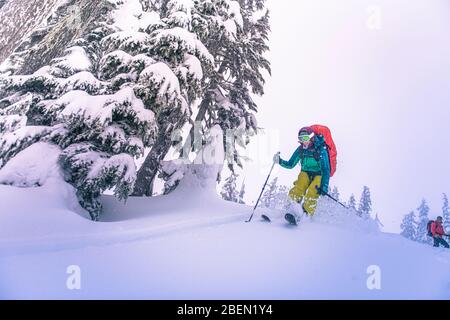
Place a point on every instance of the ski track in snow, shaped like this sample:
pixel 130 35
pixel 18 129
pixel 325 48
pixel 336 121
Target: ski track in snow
pixel 52 244
pixel 233 259
pixel 191 245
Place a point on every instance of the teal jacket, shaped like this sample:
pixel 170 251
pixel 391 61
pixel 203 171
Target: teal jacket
pixel 314 160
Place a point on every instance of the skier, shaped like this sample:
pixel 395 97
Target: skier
pixel 437 231
pixel 315 172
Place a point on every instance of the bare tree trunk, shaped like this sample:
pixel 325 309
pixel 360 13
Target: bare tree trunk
pixel 147 173
pixel 189 143
pixel 150 168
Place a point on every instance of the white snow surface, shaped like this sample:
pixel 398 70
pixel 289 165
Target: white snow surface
pixel 100 108
pixel 126 39
pixel 235 11
pixel 28 132
pixel 130 16
pixel 236 20
pixel 188 39
pixel 194 66
pixel 33 166
pixel 76 60
pixel 161 74
pixel 192 245
pixel 81 81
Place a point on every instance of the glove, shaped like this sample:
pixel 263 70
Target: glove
pixel 321 192
pixel 276 157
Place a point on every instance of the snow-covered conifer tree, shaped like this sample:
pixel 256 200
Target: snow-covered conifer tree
pixel 111 96
pixel 352 203
pixel 235 33
pixel 408 226
pixel 378 222
pixel 423 218
pixel 365 204
pixel 268 197
pixel 175 41
pixel 229 190
pixel 100 126
pixel 446 213
pixel 281 197
pixel 335 193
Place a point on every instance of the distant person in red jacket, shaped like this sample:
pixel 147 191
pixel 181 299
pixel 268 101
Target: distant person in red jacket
pixel 437 230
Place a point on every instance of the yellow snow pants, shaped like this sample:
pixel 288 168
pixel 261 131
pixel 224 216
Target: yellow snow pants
pixel 305 189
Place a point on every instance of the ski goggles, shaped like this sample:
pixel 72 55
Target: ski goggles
pixel 304 138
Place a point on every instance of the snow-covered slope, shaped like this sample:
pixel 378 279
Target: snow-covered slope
pixel 191 245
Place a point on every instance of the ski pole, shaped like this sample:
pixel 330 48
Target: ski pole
pixel 257 202
pixel 336 201
pixel 332 198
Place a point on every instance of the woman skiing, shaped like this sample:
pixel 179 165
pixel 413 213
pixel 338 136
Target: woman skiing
pixel 313 180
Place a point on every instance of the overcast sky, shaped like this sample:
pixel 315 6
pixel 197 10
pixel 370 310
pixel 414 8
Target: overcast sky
pixel 378 74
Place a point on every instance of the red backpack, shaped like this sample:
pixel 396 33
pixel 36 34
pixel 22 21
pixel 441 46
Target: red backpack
pixel 326 133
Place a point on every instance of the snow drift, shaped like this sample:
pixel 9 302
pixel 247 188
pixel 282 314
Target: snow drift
pixel 192 245
pixel 182 250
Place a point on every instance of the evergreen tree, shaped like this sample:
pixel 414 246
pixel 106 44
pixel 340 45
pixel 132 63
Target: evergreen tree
pixel 378 221
pixel 235 33
pixel 176 41
pixel 281 198
pixel 409 226
pixel 229 191
pixel 421 231
pixel 335 193
pixel 114 94
pixel 268 197
pixel 446 213
pixel 365 204
pixel 352 203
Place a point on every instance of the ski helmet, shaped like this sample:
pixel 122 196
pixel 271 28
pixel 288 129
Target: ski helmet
pixel 305 134
pixel 306 131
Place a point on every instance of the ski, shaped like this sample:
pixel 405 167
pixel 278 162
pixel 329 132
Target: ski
pixel 290 218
